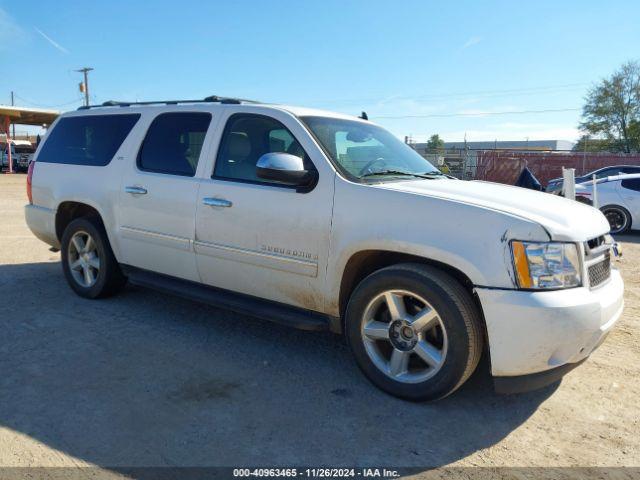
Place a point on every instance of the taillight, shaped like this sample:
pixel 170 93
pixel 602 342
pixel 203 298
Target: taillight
pixel 29 179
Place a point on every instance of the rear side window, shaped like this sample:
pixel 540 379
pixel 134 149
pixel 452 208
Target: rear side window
pixel 173 143
pixel 90 140
pixel 631 184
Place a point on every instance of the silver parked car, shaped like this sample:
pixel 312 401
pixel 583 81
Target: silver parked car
pixel 618 199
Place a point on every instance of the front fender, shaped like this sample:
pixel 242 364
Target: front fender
pixel 469 238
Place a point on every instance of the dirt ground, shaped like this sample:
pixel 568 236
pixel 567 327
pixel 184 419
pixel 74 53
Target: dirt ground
pixel 145 379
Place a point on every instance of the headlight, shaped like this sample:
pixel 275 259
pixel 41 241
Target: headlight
pixel 542 266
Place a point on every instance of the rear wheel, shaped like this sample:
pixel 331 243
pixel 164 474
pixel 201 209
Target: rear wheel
pixel 415 331
pixel 618 217
pixel 88 261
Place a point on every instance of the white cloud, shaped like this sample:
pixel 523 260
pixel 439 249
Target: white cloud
pixel 55 44
pixel 472 41
pixel 10 31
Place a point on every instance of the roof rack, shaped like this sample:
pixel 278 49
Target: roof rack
pixel 209 99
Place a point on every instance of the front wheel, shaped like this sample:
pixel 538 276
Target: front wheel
pixel 415 331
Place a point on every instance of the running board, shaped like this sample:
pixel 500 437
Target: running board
pixel 244 304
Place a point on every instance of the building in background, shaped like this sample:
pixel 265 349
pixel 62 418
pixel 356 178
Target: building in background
pixel 534 145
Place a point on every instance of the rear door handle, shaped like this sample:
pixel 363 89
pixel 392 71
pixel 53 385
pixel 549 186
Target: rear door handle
pixel 216 202
pixel 136 190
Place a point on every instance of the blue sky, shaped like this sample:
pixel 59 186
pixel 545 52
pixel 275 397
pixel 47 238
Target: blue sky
pixel 436 64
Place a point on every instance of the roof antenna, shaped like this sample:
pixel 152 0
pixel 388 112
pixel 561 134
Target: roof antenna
pixel 364 116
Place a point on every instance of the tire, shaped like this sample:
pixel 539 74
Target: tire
pixel 618 217
pixel 453 328
pixel 105 277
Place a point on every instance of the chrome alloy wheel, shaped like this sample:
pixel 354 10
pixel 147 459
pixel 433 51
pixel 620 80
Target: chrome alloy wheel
pixel 617 219
pixel 84 260
pixel 404 336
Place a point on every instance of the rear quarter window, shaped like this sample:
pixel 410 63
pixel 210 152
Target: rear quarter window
pixel 631 184
pixel 90 140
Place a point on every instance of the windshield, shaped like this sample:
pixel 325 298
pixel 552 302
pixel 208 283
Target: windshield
pixel 362 150
pixel 612 171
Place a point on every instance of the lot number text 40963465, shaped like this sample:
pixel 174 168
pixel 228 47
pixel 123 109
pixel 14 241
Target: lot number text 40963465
pixel 316 472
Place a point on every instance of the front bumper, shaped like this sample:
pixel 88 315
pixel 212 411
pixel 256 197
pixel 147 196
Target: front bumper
pixel 533 332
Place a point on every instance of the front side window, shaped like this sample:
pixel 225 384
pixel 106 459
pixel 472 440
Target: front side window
pixel 601 174
pixel 246 138
pixel 173 143
pixel 363 150
pixel 87 140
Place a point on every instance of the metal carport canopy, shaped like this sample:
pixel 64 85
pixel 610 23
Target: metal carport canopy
pixel 28 116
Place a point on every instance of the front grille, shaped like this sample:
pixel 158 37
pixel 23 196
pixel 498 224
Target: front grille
pixel 600 272
pixel 596 242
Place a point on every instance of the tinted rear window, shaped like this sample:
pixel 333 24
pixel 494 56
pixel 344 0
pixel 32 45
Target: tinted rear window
pixel 90 140
pixel 173 143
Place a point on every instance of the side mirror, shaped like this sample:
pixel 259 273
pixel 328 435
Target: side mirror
pixel 284 168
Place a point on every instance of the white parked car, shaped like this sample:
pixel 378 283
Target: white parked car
pixel 21 154
pixel 4 157
pixel 555 185
pixel 324 221
pixel 618 199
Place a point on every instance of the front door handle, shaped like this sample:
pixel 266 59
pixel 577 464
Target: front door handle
pixel 135 190
pixel 216 202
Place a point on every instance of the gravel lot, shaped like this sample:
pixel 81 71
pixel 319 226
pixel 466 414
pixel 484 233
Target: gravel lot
pixel 144 379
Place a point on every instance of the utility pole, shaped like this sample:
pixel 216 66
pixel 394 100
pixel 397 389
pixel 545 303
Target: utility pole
pixel 85 71
pixel 13 125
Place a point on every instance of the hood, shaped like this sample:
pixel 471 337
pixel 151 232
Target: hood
pixel 563 219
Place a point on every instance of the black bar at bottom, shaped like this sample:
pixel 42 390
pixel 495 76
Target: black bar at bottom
pixel 534 381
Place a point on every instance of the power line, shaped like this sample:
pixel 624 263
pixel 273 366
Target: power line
pixel 544 89
pixel 484 93
pixel 477 114
pixel 35 104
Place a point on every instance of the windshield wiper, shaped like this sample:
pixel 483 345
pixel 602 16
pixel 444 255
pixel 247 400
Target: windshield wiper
pixel 400 172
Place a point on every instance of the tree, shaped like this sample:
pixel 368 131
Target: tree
pixel 435 144
pixel 587 143
pixel 612 109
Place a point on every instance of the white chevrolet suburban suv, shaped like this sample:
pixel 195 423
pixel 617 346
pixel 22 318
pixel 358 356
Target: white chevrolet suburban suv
pixel 323 221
